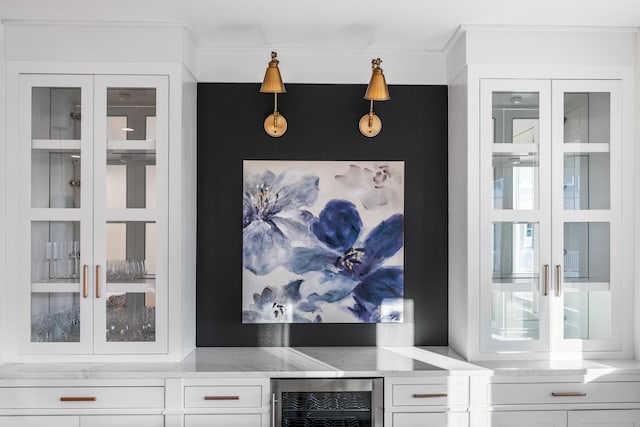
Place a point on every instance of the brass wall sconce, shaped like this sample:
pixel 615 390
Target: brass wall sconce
pixel 370 125
pixel 275 124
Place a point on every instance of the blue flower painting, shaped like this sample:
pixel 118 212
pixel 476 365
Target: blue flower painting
pixel 323 241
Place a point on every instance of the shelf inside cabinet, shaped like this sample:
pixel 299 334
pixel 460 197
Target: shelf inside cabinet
pixel 55 286
pixel 130 145
pixel 55 144
pixel 147 285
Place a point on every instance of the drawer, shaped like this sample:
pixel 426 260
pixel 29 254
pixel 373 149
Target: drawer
pixel 537 393
pixel 223 420
pixel 436 419
pixel 81 397
pixel 247 396
pixel 40 421
pixel 420 395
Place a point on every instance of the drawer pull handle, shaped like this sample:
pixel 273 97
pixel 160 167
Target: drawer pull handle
pixel 222 398
pixel 429 395
pixel 78 399
pixel 568 394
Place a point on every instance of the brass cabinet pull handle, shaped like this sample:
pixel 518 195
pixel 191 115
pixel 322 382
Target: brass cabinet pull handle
pixel 85 270
pixel 568 394
pixel 97 281
pixel 79 399
pixel 558 281
pixel 428 395
pixel 546 280
pixel 222 398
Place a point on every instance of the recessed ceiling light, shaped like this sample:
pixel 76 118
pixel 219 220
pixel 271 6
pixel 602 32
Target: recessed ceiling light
pixel 127 129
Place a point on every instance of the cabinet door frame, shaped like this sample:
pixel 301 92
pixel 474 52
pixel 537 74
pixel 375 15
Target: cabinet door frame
pixel 90 215
pixel 28 215
pixel 158 215
pixel 551 215
pixel 489 215
pixel 612 216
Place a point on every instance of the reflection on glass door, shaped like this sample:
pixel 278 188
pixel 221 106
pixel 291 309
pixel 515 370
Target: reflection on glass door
pixel 130 305
pixel 132 163
pixel 515 281
pixel 588 143
pixel 55 281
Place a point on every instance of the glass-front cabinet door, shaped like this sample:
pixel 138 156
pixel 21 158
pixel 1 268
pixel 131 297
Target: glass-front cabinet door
pixel 587 181
pixel 94 154
pixel 131 213
pixel 550 205
pixel 55 146
pixel 515 131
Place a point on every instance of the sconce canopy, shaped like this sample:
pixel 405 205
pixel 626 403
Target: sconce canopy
pixel 272 82
pixel 377 89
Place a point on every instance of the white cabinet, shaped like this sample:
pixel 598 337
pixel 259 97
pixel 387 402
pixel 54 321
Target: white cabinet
pixel 551 271
pixel 83 421
pixel 223 420
pixel 82 403
pixel 227 402
pixel 39 421
pixel 529 419
pixel 612 418
pixel 599 418
pixel 426 401
pixel 555 400
pixel 93 255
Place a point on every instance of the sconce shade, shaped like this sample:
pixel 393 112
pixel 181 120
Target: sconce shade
pixel 272 82
pixel 377 89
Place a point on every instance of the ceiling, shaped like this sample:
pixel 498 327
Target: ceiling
pixel 348 24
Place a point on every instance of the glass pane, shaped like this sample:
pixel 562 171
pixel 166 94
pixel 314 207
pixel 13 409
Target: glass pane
pixel 131 155
pixel 587 315
pixel 515 251
pixel 515 315
pixel 55 281
pixel 55 178
pixel 515 181
pixel 515 281
pixel 131 317
pixel 516 117
pixel 586 181
pixel 586 252
pixel 116 128
pixel 132 107
pixel 587 117
pixel 55 113
pixel 55 252
pixel 130 281
pixel 55 317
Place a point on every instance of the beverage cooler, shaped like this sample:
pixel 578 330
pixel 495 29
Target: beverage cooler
pixel 327 402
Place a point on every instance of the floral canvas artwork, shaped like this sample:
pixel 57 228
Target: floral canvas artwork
pixel 323 241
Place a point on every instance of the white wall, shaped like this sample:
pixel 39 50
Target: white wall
pixel 322 66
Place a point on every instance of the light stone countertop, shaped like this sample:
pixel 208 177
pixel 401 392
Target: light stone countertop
pixel 316 362
pixel 273 362
pixel 587 368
